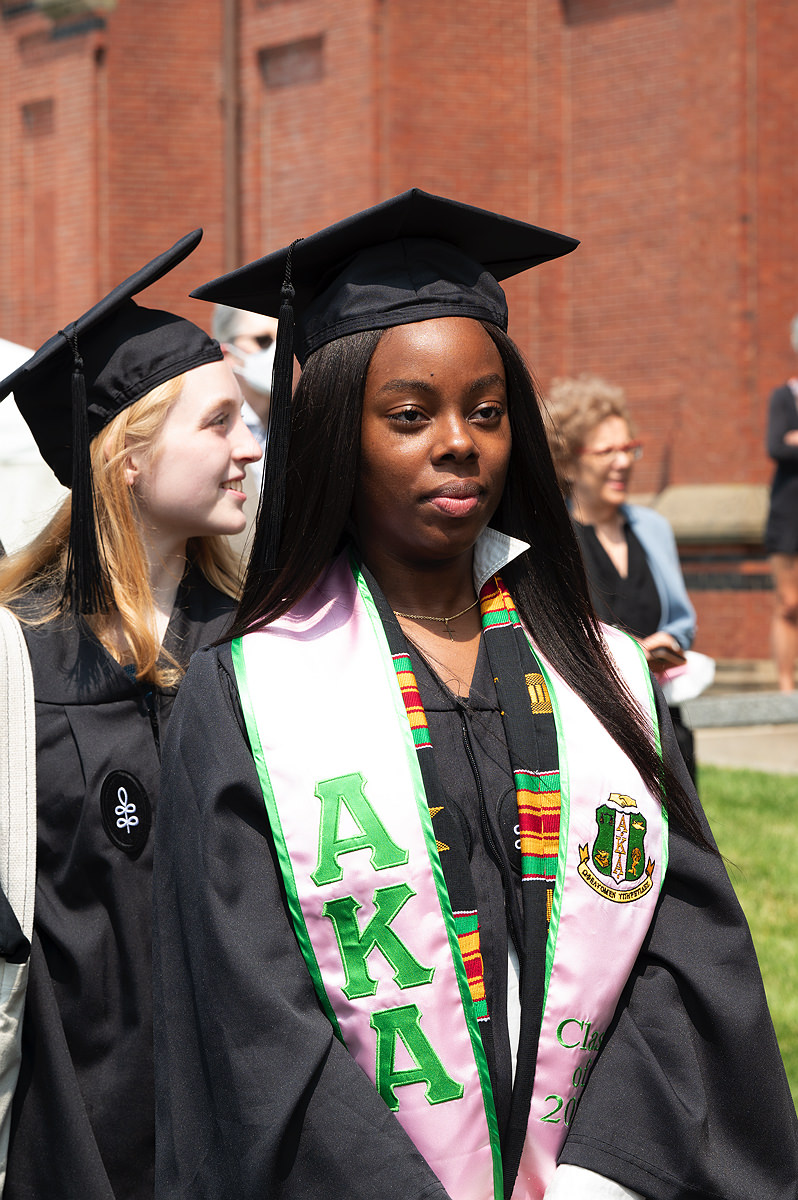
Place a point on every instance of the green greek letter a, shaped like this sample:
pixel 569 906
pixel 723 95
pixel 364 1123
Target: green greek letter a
pixel 355 947
pixel 405 1022
pixel 349 790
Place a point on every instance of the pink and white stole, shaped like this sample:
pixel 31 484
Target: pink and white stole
pixel 342 786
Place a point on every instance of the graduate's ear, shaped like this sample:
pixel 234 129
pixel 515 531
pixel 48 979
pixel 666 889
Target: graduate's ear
pixel 133 463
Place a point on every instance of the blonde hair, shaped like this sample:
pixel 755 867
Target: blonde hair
pixel 40 567
pixel 572 410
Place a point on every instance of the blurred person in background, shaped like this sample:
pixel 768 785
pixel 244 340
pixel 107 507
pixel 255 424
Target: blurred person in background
pixel 781 532
pixel 248 340
pixel 140 417
pixel 630 553
pixel 29 491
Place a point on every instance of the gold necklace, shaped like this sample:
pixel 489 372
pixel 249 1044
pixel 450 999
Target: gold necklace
pixel 445 620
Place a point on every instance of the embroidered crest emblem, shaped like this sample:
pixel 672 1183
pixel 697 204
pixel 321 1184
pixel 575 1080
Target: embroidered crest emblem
pixel 618 857
pixel 126 812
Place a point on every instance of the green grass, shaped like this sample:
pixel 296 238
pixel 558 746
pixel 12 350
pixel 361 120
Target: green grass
pixel 754 817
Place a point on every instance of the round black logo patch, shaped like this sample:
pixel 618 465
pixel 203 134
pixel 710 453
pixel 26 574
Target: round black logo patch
pixel 126 812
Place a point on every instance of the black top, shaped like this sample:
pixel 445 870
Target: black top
pixel 83 1111
pixel 781 533
pixel 257 1097
pixel 629 602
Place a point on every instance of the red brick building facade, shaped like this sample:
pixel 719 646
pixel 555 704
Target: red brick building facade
pixel 660 132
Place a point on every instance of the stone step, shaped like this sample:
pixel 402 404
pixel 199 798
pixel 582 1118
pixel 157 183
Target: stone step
pixel 743 675
pixel 743 708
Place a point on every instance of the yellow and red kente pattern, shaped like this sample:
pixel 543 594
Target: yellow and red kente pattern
pixel 538 791
pixel 413 706
pixel 467 926
pixel 539 823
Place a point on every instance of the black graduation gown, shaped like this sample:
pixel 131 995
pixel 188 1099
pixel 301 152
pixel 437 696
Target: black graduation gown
pixel 14 946
pixel 83 1117
pixel 256 1097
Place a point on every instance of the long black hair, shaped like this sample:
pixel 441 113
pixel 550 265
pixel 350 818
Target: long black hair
pixel 548 582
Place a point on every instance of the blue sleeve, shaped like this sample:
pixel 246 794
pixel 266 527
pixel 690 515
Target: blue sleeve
pixel 656 536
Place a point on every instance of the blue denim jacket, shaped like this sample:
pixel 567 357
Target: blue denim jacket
pixel 656 537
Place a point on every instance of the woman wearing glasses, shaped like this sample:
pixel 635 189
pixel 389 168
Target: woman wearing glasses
pixel 630 553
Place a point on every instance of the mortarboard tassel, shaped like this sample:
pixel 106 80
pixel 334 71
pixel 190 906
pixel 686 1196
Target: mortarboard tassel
pixel 269 528
pixel 86 586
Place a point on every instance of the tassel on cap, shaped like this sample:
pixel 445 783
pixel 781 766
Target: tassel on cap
pixel 86 586
pixel 268 533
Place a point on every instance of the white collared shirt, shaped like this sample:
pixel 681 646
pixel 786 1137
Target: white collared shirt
pixel 493 550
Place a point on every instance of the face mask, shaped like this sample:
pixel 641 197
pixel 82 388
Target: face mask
pixel 256 368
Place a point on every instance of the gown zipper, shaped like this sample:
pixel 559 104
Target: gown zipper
pixel 152 711
pixel 490 841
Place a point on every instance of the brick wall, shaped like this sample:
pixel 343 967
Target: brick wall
pixel 733 624
pixel 731 590
pixel 162 135
pixel 660 132
pixel 308 81
pixel 48 178
pixel 111 149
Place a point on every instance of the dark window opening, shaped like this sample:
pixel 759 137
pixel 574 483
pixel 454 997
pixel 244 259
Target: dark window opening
pixel 38 117
pixel 292 63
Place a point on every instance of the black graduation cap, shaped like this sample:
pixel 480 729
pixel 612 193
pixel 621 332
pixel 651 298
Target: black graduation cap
pixel 83 377
pixel 412 258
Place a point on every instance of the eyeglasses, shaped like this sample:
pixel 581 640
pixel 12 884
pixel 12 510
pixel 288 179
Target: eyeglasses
pixel 634 450
pixel 263 340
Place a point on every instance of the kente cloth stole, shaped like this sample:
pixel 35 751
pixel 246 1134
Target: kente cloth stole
pixel 531 733
pixel 529 725
pixel 449 838
pixel 370 905
pixel 532 743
